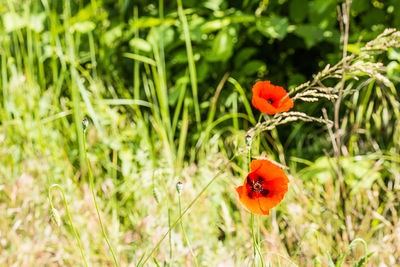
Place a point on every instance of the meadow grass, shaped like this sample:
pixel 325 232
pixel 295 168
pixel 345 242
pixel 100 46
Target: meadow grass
pixel 139 146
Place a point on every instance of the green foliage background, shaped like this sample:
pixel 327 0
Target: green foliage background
pixel 126 66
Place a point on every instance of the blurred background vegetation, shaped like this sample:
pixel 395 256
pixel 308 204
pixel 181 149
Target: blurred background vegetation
pixel 167 88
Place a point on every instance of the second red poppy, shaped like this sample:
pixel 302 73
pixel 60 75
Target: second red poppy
pixel 270 99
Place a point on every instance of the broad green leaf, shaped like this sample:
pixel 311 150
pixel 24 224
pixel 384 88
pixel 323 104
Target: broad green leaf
pixel 359 5
pixel 213 4
pixel 84 26
pixel 36 22
pixel 163 31
pixel 298 10
pixel 140 44
pixel 112 35
pixel 214 25
pixel 222 47
pixel 243 55
pixel 273 27
pixel 252 67
pixel 13 21
pixel 310 33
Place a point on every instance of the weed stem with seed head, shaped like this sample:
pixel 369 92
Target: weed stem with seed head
pixel 69 217
pixel 91 180
pixel 179 189
pixel 256 249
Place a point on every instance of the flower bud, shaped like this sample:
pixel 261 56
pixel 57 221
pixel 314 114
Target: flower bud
pixel 156 195
pixel 55 216
pixel 248 139
pixel 179 187
pixel 85 124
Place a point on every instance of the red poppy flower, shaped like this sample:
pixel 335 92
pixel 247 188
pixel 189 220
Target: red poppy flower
pixel 270 99
pixel 264 187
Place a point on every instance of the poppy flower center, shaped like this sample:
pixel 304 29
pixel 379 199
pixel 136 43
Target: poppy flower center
pixel 270 101
pixel 256 186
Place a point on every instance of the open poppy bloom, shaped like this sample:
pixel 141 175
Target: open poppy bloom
pixel 270 99
pixel 264 187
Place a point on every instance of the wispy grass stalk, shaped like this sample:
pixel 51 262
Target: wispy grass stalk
pixel 256 249
pixel 167 202
pixel 73 84
pixel 183 228
pixel 69 217
pixel 91 180
pixel 191 63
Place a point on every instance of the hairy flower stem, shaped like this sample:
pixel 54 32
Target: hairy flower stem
pixel 256 249
pixel 69 217
pixel 91 180
pixel 184 233
pixel 169 222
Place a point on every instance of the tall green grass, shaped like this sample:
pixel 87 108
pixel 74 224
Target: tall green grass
pixel 61 61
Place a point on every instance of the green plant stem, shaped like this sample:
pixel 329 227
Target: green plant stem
pixel 256 249
pixel 183 214
pixel 169 221
pixel 184 233
pixel 192 65
pixel 69 217
pixel 91 180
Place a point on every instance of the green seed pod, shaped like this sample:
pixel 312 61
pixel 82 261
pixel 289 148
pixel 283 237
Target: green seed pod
pixel 55 216
pixel 248 139
pixel 179 187
pixel 85 124
pixel 156 195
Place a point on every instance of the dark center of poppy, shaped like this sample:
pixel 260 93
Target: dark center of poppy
pixel 270 101
pixel 256 186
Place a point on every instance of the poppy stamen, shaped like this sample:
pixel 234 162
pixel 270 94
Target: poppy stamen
pixel 256 186
pixel 270 101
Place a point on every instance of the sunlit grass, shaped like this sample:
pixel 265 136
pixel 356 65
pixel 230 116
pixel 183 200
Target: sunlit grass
pixel 140 144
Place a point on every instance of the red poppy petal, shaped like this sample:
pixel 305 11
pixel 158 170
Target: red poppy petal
pixel 272 200
pixel 264 92
pixel 277 185
pixel 252 204
pixel 266 169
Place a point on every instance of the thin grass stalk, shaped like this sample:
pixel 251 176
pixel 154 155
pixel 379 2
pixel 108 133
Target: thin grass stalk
pixel 4 83
pixel 184 232
pixel 183 136
pixel 73 86
pixel 69 217
pixel 191 63
pixel 161 92
pixel 179 104
pixel 213 106
pixel 169 221
pixel 345 21
pixel 93 55
pixel 136 67
pixel 91 180
pixel 246 102
pixel 256 249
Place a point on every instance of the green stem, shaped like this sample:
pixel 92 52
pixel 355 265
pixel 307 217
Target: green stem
pixel 184 233
pixel 191 63
pixel 256 249
pixel 95 201
pixel 169 222
pixel 69 217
